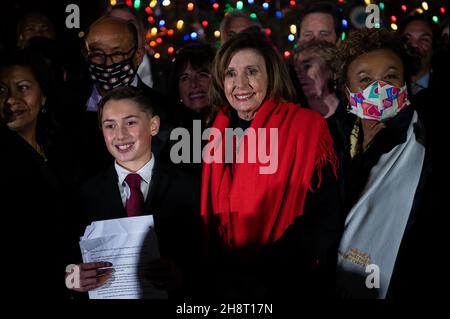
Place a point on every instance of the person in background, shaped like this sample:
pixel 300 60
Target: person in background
pixel 153 72
pixel 34 25
pixel 315 66
pixel 53 55
pixel 315 71
pixel 429 78
pixel 235 22
pixel 191 80
pixel 320 21
pixel 418 33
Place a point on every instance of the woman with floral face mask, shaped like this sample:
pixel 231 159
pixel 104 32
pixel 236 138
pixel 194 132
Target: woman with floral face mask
pixel 388 179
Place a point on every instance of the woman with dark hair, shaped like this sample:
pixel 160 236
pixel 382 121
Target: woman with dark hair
pixel 190 82
pixel 388 188
pixel 26 99
pixel 22 100
pixel 191 78
pixel 270 222
pixel 38 177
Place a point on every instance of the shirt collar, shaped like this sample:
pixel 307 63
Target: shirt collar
pixel 145 172
pixel 95 98
pixel 145 61
pixel 423 82
pixel 145 72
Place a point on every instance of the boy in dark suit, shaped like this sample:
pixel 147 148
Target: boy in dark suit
pixel 139 184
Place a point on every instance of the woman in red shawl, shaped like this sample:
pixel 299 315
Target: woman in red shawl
pixel 268 222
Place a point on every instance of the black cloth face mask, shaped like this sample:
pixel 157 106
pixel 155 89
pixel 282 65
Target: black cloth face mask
pixel 109 77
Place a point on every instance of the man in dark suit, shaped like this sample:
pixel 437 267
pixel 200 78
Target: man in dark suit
pixel 128 124
pixel 113 56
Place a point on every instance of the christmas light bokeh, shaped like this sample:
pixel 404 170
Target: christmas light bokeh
pixel 172 24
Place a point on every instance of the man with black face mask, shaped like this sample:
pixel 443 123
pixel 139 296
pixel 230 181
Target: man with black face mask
pixel 113 56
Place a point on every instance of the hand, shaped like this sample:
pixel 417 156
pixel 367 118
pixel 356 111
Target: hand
pixel 163 274
pixel 93 275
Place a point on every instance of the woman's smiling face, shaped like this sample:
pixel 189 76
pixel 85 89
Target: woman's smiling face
pixel 193 87
pixel 246 82
pixel 21 98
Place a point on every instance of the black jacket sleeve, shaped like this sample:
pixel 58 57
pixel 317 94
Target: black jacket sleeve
pixel 302 262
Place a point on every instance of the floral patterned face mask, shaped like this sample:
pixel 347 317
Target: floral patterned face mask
pixel 379 101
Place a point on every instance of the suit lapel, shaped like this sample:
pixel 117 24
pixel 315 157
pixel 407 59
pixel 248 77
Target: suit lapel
pixel 149 201
pixel 157 186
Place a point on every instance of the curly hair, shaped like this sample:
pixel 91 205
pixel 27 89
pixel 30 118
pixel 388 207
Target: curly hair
pixel 366 40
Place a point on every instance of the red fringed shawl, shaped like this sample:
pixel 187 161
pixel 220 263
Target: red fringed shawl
pixel 248 209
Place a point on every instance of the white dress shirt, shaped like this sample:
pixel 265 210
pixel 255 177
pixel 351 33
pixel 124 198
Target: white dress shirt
pixel 421 83
pixel 146 174
pixel 145 71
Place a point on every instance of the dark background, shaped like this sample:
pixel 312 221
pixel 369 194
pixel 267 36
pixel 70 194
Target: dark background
pixel 11 11
pixel 278 18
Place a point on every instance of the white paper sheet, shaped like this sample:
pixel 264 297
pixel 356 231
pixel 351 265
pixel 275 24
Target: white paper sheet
pixel 118 226
pixel 129 244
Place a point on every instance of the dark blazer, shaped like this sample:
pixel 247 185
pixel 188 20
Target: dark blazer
pixel 173 200
pixel 34 210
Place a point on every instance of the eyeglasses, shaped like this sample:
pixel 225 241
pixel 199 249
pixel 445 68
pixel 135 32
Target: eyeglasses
pixel 115 57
